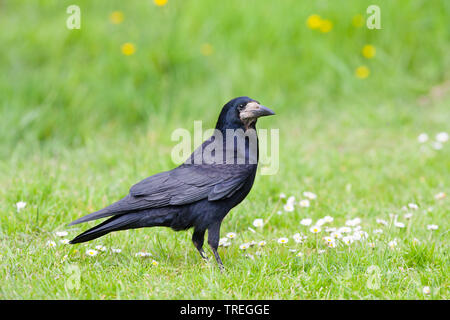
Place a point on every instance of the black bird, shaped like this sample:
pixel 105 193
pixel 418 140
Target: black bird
pixel 199 193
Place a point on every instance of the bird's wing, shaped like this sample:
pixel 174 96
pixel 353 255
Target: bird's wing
pixel 185 184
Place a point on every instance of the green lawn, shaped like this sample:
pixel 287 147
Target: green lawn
pixel 80 122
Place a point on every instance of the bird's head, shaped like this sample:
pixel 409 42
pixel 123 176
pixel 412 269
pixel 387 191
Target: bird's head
pixel 241 112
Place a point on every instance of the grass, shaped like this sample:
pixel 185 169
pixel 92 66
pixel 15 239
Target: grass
pixel 80 123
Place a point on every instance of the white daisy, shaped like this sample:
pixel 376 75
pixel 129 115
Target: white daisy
pixel 100 248
pixel 436 145
pixel 64 241
pixel 143 254
pixel 442 137
pixel 116 250
pixel 231 235
pixel 413 206
pixel 51 243
pixel 336 235
pixel 91 252
pixel 297 238
pixel 383 222
pixel 432 227
pixel 408 215
pixel 371 244
pixel 304 203
pixel 328 219
pixel 320 222
pixel 399 224
pixel 348 240
pixel 422 138
pixel 377 231
pixel 262 243
pixel 61 233
pixel 309 195
pixel 353 222
pixel 440 195
pixel 291 200
pixel 426 290
pixel 288 207
pixel 244 246
pixel 20 205
pixel 258 223
pixel 315 229
pixel 344 230
pixel 282 195
pixel 392 244
pixel 283 240
pixel 306 222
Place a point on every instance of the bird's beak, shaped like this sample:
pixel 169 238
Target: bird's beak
pixel 255 110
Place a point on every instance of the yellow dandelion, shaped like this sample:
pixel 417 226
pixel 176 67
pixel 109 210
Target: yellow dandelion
pixel 207 49
pixel 128 49
pixel 325 26
pixel 313 21
pixel 362 72
pixel 368 51
pixel 160 3
pixel 116 17
pixel 358 21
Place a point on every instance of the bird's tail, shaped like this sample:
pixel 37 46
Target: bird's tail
pixel 116 223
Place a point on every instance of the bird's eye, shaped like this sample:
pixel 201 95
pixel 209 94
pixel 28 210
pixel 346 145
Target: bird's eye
pixel 241 107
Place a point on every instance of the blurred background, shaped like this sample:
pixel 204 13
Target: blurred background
pixel 139 64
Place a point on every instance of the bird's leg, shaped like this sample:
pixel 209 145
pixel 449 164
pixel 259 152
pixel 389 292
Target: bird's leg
pixel 198 238
pixel 213 241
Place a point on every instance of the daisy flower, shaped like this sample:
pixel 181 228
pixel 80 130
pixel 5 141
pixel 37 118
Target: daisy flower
pixel 315 229
pixel 297 238
pixel 442 137
pixel 353 222
pixel 282 196
pixel 20 205
pixel 440 195
pixel 371 244
pixel 262 243
pixel 283 240
pixel 408 215
pixel 348 240
pixel 413 206
pixel 51 243
pixel 437 145
pixel 142 254
pixel 231 235
pixel 344 230
pixel 426 290
pixel 91 252
pixel 309 195
pixel 222 241
pixel 392 244
pixel 100 248
pixel 331 244
pixel 383 222
pixel 300 254
pixel 399 224
pixel 336 235
pixel 432 227
pixel 288 207
pixel 244 246
pixel 116 250
pixel 328 219
pixel 306 222
pixel 61 233
pixel 377 231
pixel 304 203
pixel 64 241
pixel 422 138
pixel 291 200
pixel 258 223
pixel 155 263
pixel 320 222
